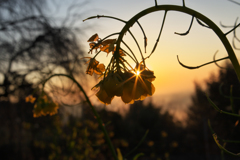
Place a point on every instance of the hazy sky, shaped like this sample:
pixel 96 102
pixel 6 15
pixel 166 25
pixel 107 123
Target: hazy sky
pixel 194 49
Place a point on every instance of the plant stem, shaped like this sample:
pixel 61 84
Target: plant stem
pixel 94 111
pixel 191 12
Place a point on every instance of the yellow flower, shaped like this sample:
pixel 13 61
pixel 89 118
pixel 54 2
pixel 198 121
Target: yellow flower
pixel 45 106
pixel 127 93
pixel 136 88
pixel 109 87
pixel 112 84
pixel 30 99
pixel 129 86
pixel 51 109
pixel 94 66
pixel 148 75
pixel 103 96
pixel 37 111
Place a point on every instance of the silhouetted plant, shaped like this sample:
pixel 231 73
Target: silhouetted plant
pixel 119 78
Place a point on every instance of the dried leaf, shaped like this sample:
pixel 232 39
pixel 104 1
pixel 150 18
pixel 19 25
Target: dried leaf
pixel 148 75
pixel 92 44
pixel 111 47
pixel 121 52
pixel 105 48
pixel 92 66
pixel 93 38
pixel 101 67
pixel 89 71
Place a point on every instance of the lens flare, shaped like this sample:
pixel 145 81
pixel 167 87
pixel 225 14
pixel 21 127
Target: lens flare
pixel 138 73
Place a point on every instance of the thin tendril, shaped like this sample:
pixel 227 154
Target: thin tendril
pixel 234 32
pixel 214 59
pixel 199 22
pixel 235 2
pixel 129 55
pixel 130 50
pixel 183 3
pixel 128 64
pixel 183 34
pixel 102 16
pixel 145 37
pixel 108 67
pixel 232 29
pixel 97 54
pixel 190 67
pixel 155 46
pixel 138 47
pixel 226 96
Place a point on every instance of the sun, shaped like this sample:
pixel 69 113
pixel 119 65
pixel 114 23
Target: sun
pixel 137 73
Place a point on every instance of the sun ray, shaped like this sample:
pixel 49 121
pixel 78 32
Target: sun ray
pixel 144 84
pixel 135 86
pixel 127 80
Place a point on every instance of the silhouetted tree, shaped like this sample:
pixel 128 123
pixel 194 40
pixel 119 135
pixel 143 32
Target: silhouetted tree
pixel 199 139
pixel 34 44
pixel 164 135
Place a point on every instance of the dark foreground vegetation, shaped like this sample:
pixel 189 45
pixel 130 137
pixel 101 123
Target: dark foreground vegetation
pixel 54 137
pixel 34 44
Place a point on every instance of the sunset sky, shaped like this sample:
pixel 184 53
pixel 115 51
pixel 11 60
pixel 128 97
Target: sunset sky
pixel 173 83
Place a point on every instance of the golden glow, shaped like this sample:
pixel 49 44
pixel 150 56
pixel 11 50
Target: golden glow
pixel 137 73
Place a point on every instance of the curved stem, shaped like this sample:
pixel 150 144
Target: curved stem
pixel 140 142
pixel 219 110
pixel 215 137
pixel 99 16
pixel 191 12
pixel 94 111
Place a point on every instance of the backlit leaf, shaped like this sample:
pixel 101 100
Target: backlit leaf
pixel 93 38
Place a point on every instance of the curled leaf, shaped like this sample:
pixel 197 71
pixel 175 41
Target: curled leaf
pixel 99 69
pixel 94 66
pixel 107 48
pixel 93 38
